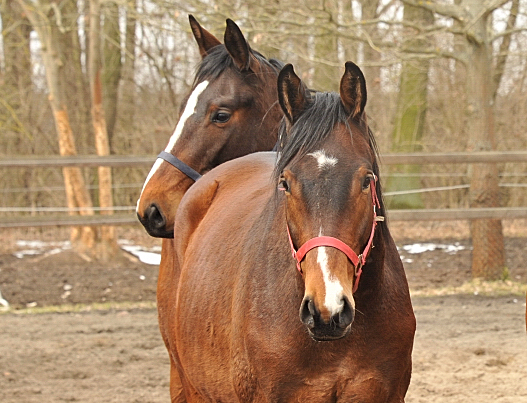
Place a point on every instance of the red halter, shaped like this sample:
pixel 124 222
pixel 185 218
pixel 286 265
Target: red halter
pixel 357 260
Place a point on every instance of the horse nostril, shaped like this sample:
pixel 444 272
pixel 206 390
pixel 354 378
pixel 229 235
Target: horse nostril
pixel 346 315
pixel 308 311
pixel 154 216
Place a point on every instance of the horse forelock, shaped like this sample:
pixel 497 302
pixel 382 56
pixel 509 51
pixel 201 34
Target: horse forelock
pixel 315 125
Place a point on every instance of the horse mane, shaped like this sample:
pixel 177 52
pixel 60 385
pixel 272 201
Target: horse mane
pixel 218 60
pixel 313 126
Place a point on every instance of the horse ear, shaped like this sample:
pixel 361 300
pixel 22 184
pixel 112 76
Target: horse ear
pixel 238 48
pixel 292 93
pixel 206 41
pixel 353 90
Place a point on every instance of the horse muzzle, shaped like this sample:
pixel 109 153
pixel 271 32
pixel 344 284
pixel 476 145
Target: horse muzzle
pixel 338 325
pixel 155 222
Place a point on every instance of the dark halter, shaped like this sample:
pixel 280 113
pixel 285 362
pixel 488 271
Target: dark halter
pixel 171 159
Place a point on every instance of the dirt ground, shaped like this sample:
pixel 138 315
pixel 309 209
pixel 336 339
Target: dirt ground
pixel 470 345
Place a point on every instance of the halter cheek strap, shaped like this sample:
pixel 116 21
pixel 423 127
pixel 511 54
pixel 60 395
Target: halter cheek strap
pixel 357 260
pixel 175 161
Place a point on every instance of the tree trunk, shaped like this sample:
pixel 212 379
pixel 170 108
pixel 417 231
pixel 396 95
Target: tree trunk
pixel 112 66
pixel 411 112
pixel 128 90
pixel 488 256
pixel 372 57
pixel 326 76
pixel 17 72
pixel 83 238
pixel 74 83
pixel 108 245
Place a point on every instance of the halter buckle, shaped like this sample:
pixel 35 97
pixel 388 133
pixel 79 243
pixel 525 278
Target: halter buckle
pixel 358 268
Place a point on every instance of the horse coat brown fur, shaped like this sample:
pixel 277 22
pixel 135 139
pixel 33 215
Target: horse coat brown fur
pixel 234 329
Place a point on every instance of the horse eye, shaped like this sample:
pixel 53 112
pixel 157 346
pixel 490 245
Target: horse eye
pixel 220 116
pixel 366 182
pixel 283 185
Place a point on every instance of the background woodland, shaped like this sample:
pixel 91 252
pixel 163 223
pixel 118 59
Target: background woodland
pixel 106 77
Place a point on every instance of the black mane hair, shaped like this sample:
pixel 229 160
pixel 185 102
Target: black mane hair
pixel 218 60
pixel 312 127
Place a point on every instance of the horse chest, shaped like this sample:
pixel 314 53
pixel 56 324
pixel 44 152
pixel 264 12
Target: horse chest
pixel 321 386
pixel 289 366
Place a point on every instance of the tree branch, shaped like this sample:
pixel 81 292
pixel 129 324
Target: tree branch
pixel 504 47
pixel 446 10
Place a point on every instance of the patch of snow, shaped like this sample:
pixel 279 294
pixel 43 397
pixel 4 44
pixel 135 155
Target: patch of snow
pixel 40 247
pixel 27 252
pixel 429 247
pixel 4 305
pixel 144 256
pixel 148 256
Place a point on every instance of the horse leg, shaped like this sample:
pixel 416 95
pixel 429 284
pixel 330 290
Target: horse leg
pixel 177 394
pixel 373 390
pixel 166 289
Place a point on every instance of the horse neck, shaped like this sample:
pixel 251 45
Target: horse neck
pixel 383 274
pixel 272 116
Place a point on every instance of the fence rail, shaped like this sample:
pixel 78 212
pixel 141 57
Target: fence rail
pixel 387 159
pixel 501 213
pixel 77 161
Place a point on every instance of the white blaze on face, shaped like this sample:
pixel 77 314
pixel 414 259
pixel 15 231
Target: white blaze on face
pixel 190 109
pixel 324 160
pixel 333 300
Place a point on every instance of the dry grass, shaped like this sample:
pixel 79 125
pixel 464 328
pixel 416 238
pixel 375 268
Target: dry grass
pixel 96 306
pixel 423 231
pixel 476 287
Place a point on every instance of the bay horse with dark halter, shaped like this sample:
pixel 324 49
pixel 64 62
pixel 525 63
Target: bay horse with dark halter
pixel 332 324
pixel 231 110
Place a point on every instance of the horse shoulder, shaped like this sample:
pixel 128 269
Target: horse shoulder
pixel 247 171
pixel 193 208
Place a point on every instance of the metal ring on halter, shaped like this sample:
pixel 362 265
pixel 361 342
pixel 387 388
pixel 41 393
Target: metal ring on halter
pixel 171 159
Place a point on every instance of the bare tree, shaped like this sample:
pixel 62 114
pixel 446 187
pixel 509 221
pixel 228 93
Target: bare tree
pixel 465 52
pixel 47 22
pixel 108 244
pixel 17 69
pixel 111 64
pixel 411 105
pixel 474 39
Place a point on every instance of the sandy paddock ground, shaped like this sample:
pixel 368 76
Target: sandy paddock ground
pixel 470 346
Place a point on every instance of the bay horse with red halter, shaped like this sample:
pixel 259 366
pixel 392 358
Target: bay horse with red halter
pixel 231 110
pixel 291 287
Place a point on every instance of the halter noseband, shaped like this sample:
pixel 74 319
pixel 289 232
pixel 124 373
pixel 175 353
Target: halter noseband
pixel 358 261
pixel 175 161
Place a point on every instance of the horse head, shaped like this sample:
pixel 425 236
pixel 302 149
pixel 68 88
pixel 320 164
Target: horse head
pixel 327 169
pixel 230 111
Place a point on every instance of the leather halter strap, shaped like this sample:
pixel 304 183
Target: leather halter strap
pixel 358 261
pixel 175 161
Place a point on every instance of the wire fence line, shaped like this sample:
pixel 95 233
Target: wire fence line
pixel 63 209
pixel 125 215
pixel 63 188
pixel 132 208
pixel 386 159
pixel 40 209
